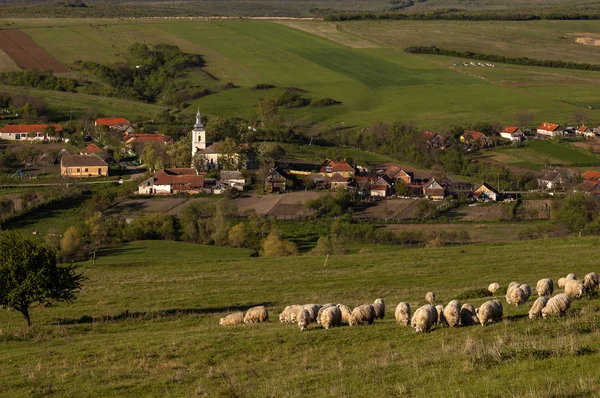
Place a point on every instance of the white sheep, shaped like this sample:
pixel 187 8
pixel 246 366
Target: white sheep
pixel 571 277
pixel 304 319
pixel 402 313
pixel 362 314
pixel 441 318
pixel 430 298
pixel 557 305
pixel 512 284
pixel 331 317
pixel 424 318
pixel 590 281
pixel 526 289
pixel 452 313
pixel 346 312
pixel 538 305
pixel 574 288
pixel 236 318
pixel 493 287
pixel 561 283
pixel 256 315
pixel 467 315
pixel 490 311
pixel 313 310
pixel 544 287
pixel 320 313
pixel 516 296
pixel 379 306
pixel 286 314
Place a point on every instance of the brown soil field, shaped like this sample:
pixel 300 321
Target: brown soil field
pixel 535 210
pixel 137 206
pixel 27 54
pixel 395 209
pixel 6 63
pixel 479 212
pixel 278 205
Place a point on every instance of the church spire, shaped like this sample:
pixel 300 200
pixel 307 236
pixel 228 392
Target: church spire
pixel 198 124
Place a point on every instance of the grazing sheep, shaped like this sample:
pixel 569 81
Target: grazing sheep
pixel 512 284
pixel 538 305
pixel 490 311
pixel 402 313
pixel 590 281
pixel 467 315
pixel 493 287
pixel 561 283
pixel 424 318
pixel 313 310
pixel 303 319
pixel 452 313
pixel 430 298
pixel 236 318
pixel 257 315
pixel 557 305
pixel 362 314
pixel 379 307
pixel 441 318
pixel 286 314
pixel 320 313
pixel 331 317
pixel 544 287
pixel 571 277
pixel 526 289
pixel 346 312
pixel 574 288
pixel 516 296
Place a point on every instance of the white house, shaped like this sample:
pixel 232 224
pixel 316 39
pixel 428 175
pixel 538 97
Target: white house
pixel 550 130
pixel 512 133
pixel 173 181
pixel 28 132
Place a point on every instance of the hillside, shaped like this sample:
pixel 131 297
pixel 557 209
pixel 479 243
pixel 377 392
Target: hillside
pixel 146 324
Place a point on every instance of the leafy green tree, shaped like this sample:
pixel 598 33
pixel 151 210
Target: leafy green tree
pixel 30 275
pixel 70 242
pixel 268 113
pixel 401 189
pixel 275 246
pixel 426 210
pixel 6 206
pixel 200 162
pixel 179 153
pixel 219 128
pixel 154 156
pixel 269 153
pixel 230 157
pixel 237 235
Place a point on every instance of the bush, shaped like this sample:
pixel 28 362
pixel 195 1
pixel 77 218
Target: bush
pixel 275 246
pixel 324 102
pixel 329 245
pixel 71 242
pixel 473 294
pixel 262 86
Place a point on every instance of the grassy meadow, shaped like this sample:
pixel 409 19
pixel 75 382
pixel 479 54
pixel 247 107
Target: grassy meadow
pixel 146 324
pixel 361 64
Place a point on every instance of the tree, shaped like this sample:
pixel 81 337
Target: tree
pixel 580 116
pixel 153 155
pixel 401 189
pixel 71 242
pixel 50 131
pixel 200 162
pixel 269 153
pixel 524 119
pixel 30 275
pixel 269 113
pixel 230 157
pixel 426 210
pixel 275 246
pixel 237 235
pixel 6 206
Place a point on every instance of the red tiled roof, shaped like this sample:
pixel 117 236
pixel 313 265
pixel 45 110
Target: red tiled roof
pixel 342 165
pixel 509 129
pixel 428 134
pixel 181 171
pixel 587 186
pixel 28 128
pixel 591 175
pixel 81 161
pixel 435 192
pixel 548 126
pixel 582 129
pixel 163 178
pixel 92 148
pixel 475 135
pixel 379 188
pixel 112 121
pixel 147 138
pixel 337 178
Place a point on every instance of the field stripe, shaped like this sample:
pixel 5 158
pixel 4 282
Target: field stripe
pixel 27 54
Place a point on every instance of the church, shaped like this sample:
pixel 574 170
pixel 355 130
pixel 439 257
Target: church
pixel 212 152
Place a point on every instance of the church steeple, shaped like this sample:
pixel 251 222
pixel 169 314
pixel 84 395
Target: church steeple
pixel 198 135
pixel 198 125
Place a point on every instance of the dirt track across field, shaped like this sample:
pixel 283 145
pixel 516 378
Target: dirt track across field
pixel 27 54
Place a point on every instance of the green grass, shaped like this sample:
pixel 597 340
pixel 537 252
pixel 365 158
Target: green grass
pixel 566 154
pixel 536 154
pixel 146 324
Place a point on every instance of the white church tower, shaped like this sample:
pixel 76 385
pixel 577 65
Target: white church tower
pixel 198 135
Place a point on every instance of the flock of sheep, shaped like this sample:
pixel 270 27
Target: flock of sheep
pixel 452 315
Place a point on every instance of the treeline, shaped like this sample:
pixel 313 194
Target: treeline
pixel 43 81
pixel 459 15
pixel 433 50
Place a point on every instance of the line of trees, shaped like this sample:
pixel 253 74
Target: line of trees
pixel 43 81
pixel 459 15
pixel 433 50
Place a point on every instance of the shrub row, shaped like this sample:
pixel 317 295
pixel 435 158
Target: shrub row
pixel 458 15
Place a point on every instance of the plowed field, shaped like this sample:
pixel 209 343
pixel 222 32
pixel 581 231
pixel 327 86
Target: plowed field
pixel 27 54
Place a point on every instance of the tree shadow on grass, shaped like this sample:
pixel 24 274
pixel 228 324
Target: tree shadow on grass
pixel 513 318
pixel 117 250
pixel 149 315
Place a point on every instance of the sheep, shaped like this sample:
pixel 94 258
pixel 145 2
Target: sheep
pixel 441 318
pixel 320 313
pixel 493 287
pixel 379 307
pixel 402 313
pixel 362 314
pixel 331 317
pixel 557 305
pixel 257 315
pixel 346 312
pixel 430 298
pixel 467 315
pixel 313 310
pixel 512 284
pixel 424 318
pixel 235 318
pixel 303 319
pixel 526 289
pixel 590 281
pixel 489 312
pixel 574 288
pixel 286 314
pixel 544 287
pixel 516 296
pixel 561 283
pixel 538 305
pixel 571 277
pixel 452 313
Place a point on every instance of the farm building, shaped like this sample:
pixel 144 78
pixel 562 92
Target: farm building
pixel 588 187
pixel 233 179
pixel 485 193
pixel 554 179
pixel 476 138
pixel 382 187
pixel 83 166
pixel 29 132
pixel 133 139
pixel 337 181
pixel 586 132
pixel 433 139
pixel 512 133
pixel 329 168
pixel 173 181
pixel 396 173
pixel 276 180
pixel 591 175
pixel 550 130
pixel 114 123
pixel 434 190
pixel 92 149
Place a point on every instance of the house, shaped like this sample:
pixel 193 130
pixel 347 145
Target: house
pixel 554 179
pixel 550 130
pixel 588 187
pixel 383 187
pixel 586 132
pixel 276 180
pixel 28 132
pixel 476 138
pixel 233 179
pixel 83 166
pixel 133 139
pixel 114 123
pixel 434 190
pixel 511 133
pixel 434 140
pixel 591 175
pixel 337 181
pixel 329 168
pixel 396 173
pixel 173 181
pixel 92 149
pixel 485 193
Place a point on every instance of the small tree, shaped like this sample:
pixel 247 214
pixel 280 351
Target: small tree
pixel 524 119
pixel 237 235
pixel 30 275
pixel 71 242
pixel 401 189
pixel 6 207
pixel 275 246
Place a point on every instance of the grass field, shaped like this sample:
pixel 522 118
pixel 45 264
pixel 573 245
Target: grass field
pixel 146 324
pixel 361 64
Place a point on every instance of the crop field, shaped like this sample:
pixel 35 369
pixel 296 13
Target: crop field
pixel 360 64
pixel 566 154
pixel 146 324
pixel 27 54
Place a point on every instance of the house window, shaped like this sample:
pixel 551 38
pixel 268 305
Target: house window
pixel 78 170
pixel 99 171
pixel 85 170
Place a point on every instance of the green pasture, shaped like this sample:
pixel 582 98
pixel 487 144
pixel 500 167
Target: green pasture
pixel 146 324
pixel 537 153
